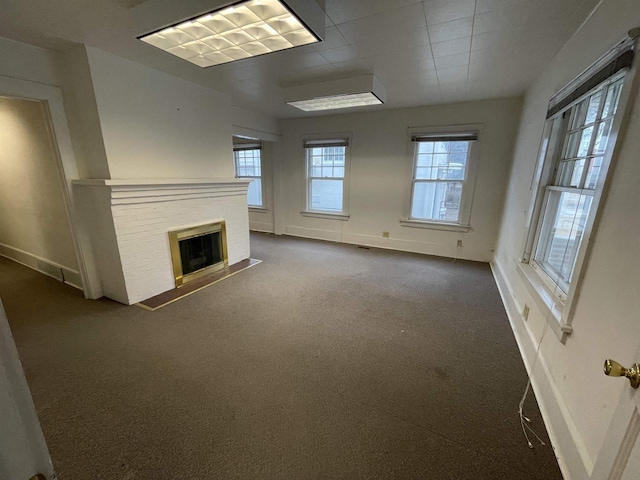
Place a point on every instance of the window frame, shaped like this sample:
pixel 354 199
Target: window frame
pixel 468 183
pixel 557 306
pixel 307 210
pixel 245 147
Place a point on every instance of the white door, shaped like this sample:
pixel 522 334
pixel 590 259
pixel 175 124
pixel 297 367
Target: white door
pixel 619 458
pixel 23 451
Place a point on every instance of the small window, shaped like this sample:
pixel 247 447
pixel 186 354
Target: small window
pixel 248 164
pixel 326 168
pixel 440 176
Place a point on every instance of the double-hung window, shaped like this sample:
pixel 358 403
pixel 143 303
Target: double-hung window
pixel 442 172
pixel 326 171
pixel 582 126
pixel 248 164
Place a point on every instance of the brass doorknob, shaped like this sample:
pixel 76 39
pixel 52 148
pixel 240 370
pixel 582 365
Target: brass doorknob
pixel 614 369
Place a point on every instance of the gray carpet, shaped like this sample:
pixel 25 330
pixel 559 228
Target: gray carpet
pixel 324 362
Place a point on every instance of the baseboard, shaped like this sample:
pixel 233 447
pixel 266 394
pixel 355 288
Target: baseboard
pixel 568 445
pixel 314 233
pixel 261 227
pixel 396 244
pixel 47 267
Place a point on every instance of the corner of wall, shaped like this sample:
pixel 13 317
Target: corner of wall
pixel 82 113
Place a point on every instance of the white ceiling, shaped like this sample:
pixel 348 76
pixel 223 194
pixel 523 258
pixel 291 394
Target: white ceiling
pixel 424 51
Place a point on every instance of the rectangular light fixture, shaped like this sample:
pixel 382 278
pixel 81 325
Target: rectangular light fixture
pixel 337 101
pixel 351 92
pixel 245 29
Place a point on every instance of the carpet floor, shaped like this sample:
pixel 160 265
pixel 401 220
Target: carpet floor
pixel 326 361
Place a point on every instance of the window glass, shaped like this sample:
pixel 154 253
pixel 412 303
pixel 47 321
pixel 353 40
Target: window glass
pixel 439 174
pixel 569 197
pixel 248 164
pixel 326 171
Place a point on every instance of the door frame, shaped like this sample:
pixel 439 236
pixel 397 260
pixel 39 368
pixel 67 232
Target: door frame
pixel 51 98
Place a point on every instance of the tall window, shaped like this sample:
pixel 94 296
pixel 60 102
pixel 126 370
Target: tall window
pixel 326 163
pixel 248 164
pixel 440 173
pixel 583 130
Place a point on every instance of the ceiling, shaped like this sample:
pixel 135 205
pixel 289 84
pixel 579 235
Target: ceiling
pixel 424 51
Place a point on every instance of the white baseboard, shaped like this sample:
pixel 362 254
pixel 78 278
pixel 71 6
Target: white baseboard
pixel 569 447
pixel 315 233
pixel 261 227
pixel 397 244
pixel 42 265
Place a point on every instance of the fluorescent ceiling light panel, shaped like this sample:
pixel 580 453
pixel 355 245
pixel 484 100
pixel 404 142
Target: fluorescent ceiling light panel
pixel 337 101
pixel 352 92
pixel 245 29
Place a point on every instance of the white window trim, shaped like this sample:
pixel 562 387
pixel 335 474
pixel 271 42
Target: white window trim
pixel 558 308
pixel 306 190
pixel 263 205
pixel 468 184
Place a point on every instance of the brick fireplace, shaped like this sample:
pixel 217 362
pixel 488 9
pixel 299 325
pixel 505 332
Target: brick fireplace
pixel 129 223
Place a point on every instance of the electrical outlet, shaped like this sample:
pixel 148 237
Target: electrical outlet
pixel 525 312
pixel 459 243
pixel 385 234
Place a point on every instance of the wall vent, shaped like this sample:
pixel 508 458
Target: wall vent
pixel 49 269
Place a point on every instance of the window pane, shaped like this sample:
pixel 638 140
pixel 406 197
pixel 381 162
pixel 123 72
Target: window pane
pixel 425 147
pixel 602 137
pixel 326 195
pixel 436 201
pixel 585 139
pixel 613 97
pixel 254 196
pixel 565 217
pixel 425 160
pixel 576 176
pixel 594 172
pixel 579 112
pixel 592 109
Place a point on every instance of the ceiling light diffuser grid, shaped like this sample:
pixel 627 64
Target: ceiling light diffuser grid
pixel 242 30
pixel 337 101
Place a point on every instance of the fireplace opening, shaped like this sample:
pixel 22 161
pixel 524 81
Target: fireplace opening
pixel 198 251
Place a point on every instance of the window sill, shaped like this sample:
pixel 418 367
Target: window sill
pixel 452 227
pixel 331 216
pixel 258 209
pixel 550 307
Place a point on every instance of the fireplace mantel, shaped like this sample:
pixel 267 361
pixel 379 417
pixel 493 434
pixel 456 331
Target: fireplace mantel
pixel 158 182
pixel 129 191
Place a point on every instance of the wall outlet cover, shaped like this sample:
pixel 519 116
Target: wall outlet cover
pixel 459 243
pixel 385 234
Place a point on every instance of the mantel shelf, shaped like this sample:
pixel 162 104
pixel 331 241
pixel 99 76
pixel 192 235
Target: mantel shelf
pixel 150 182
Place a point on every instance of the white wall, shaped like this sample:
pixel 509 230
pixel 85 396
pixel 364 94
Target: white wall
pixel 33 219
pixel 579 398
pixel 26 62
pixel 380 177
pixel 156 125
pixel 23 451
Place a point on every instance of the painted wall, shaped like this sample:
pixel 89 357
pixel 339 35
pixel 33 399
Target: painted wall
pixel 33 218
pixel 380 177
pixel 580 400
pixel 155 125
pixel 23 451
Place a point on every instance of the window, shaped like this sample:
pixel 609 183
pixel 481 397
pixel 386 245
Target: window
pixel 582 126
pixel 583 129
pixel 326 169
pixel 248 164
pixel 440 191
